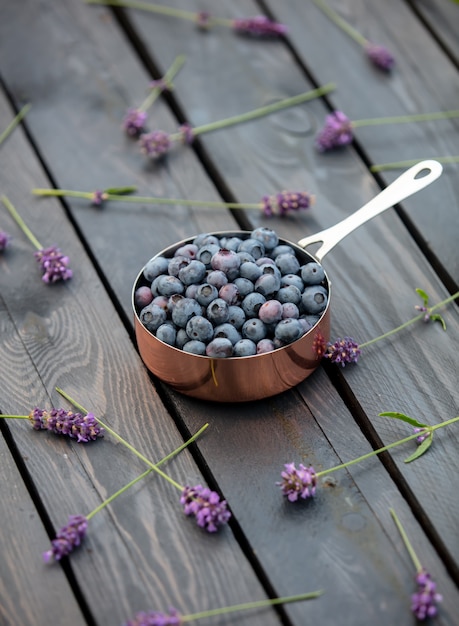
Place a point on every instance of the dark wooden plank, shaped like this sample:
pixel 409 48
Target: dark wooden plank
pixel 134 556
pixel 442 18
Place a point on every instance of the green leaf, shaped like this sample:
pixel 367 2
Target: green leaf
pixel 423 295
pixel 423 447
pixel 436 317
pixel 120 191
pixel 403 418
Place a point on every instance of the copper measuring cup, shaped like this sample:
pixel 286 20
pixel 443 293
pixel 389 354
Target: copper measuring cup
pixel 241 379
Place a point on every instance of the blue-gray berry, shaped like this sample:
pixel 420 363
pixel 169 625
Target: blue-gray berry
pixel 155 266
pixel 314 299
pixel 254 329
pixel 252 303
pixel 267 236
pixel 244 347
pixel 217 311
pixel 184 310
pixel 312 274
pixel 228 331
pixel 195 347
pixel 194 272
pixel 167 333
pixel 219 348
pixel 199 327
pixel 152 316
pixel 288 330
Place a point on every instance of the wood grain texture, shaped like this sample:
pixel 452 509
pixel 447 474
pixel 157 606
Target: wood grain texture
pixel 441 18
pixel 141 553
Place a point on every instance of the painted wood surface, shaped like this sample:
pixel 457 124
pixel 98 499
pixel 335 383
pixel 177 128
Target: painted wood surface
pixel 143 553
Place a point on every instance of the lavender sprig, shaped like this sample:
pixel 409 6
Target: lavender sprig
pixel 258 26
pixel 379 55
pixel 15 122
pixel 172 617
pixel 210 512
pixel 345 351
pixel 158 143
pixel 72 534
pixel 83 428
pixel 338 128
pixel 135 118
pixel 395 165
pixel 279 204
pixel 424 601
pixel 5 239
pixel 53 263
pixel 301 483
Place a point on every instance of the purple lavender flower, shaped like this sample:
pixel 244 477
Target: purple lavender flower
pixel 423 602
pixel 259 26
pixel 298 483
pixel 155 618
pixel 380 56
pixel 68 538
pixel 83 428
pixel 134 122
pixel 343 351
pixel 336 132
pixel 206 506
pixel 5 238
pixel 203 19
pixel 54 264
pixel 98 197
pixel 187 133
pixel 155 144
pixel 286 202
pixel 424 433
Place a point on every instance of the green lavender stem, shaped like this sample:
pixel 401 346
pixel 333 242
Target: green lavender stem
pixel 23 226
pixel 12 125
pixel 168 76
pixel 411 321
pixel 156 8
pixel 429 429
pixel 114 434
pixel 407 542
pixel 148 200
pixel 251 605
pixel 395 165
pixel 400 119
pixel 256 113
pixel 341 23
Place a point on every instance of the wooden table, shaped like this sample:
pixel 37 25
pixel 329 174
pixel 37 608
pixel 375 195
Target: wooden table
pixel 81 67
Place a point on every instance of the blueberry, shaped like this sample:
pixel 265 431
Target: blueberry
pixel 267 284
pixel 282 249
pixel 267 236
pixel 288 330
pixel 230 243
pixel 181 338
pixel 142 297
pixel 217 278
pixel 292 279
pixel 253 247
pixel 245 257
pixel 189 250
pixel 167 333
pixel 305 324
pixel 205 293
pixel 191 290
pixel 287 263
pixel 314 299
pixel 244 347
pixel 219 348
pixel 155 266
pixel 184 310
pixel 252 303
pixel 199 328
pixel 250 270
pixel 236 316
pixel 168 285
pixel 289 293
pixel 217 311
pixel 162 301
pixel 270 311
pixel 312 274
pixel 225 260
pixel 265 260
pixel 244 286
pixel 228 331
pixel 152 316
pixel 311 319
pixel 230 294
pixel 205 253
pixel 176 264
pixel 172 301
pixel 289 309
pixel 265 345
pixel 194 272
pixel 195 347
pixel 254 329
pixel 205 239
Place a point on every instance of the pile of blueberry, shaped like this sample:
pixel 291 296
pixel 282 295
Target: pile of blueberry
pixel 231 297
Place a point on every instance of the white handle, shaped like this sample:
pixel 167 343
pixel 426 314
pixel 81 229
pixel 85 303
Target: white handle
pixel 404 186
